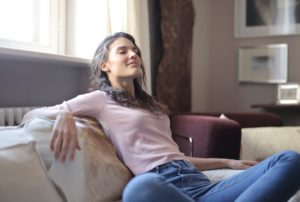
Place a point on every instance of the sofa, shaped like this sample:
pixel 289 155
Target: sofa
pixel 96 174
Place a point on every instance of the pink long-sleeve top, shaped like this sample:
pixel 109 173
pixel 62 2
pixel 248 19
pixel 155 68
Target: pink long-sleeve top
pixel 142 140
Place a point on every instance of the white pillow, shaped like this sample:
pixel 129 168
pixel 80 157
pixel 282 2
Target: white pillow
pixel 41 129
pixel 23 175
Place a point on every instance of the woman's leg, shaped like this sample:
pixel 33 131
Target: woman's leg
pixel 275 179
pixel 152 187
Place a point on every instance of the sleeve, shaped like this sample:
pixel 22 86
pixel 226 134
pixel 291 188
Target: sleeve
pixel 89 104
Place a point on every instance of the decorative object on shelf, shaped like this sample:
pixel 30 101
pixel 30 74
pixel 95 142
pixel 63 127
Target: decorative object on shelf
pixel 254 18
pixel 288 93
pixel 263 64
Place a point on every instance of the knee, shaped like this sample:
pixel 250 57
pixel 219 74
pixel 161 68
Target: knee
pixel 145 185
pixel 291 156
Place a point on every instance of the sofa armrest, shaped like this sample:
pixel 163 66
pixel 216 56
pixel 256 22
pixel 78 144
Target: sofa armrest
pixel 204 136
pixel 245 119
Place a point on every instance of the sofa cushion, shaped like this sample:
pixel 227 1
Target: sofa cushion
pixel 23 175
pixel 261 142
pixel 96 173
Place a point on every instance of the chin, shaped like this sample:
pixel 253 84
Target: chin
pixel 137 74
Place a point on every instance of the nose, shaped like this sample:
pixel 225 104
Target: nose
pixel 132 54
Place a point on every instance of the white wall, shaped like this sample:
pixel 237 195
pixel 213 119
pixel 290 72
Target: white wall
pixel 215 83
pixel 201 55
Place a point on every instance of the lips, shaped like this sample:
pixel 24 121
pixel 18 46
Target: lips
pixel 134 63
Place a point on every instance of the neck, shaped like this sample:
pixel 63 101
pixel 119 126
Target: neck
pixel 125 85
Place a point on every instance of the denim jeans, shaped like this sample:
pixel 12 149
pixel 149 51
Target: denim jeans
pixel 275 179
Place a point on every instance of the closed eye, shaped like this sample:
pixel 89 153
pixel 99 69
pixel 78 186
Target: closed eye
pixel 124 50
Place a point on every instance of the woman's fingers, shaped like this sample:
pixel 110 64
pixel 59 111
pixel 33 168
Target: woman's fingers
pixel 64 148
pixel 64 137
pixel 251 163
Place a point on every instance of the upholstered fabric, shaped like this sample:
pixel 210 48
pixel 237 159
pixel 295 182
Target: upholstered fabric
pixel 22 173
pixel 261 142
pixel 210 136
pixel 96 173
pixel 246 119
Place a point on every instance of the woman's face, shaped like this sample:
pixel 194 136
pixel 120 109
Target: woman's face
pixel 123 63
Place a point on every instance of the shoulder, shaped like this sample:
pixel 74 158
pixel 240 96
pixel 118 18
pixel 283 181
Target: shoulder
pixel 95 94
pixel 91 97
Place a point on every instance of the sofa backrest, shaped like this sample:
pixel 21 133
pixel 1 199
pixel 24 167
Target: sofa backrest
pixel 248 119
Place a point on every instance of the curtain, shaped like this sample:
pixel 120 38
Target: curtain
pixel 173 74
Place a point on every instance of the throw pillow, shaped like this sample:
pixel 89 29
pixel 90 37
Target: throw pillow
pixel 259 143
pixel 223 116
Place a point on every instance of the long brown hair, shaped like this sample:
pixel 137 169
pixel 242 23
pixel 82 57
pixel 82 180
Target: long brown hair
pixel 99 80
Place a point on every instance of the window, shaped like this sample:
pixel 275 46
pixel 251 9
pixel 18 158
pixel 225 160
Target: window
pixel 89 21
pixel 32 25
pixel 68 27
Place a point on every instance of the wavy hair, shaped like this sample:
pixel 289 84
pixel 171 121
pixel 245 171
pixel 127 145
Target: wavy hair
pixel 99 80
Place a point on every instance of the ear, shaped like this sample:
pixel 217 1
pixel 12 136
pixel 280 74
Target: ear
pixel 104 67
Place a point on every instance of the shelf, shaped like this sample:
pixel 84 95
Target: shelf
pixel 276 106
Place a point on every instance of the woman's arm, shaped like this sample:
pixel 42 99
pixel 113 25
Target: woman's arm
pixel 216 163
pixel 64 133
pixel 47 112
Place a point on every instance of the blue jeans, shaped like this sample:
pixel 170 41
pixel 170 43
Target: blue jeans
pixel 275 179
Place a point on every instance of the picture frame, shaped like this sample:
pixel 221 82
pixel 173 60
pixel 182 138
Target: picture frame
pixel 256 18
pixel 263 64
pixel 288 93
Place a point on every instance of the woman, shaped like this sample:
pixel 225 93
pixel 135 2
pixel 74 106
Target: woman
pixel 139 129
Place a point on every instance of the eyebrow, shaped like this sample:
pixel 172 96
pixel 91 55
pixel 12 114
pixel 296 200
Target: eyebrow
pixel 126 47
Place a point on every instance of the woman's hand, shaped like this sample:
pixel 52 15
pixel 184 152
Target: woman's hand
pixel 240 164
pixel 64 137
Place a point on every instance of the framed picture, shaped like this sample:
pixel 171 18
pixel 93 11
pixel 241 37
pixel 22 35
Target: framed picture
pixel 263 64
pixel 288 93
pixel 253 18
